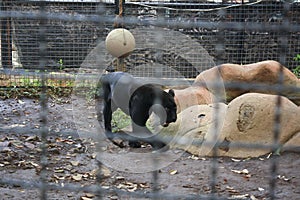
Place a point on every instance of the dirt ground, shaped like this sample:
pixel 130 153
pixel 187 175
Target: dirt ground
pixel 72 160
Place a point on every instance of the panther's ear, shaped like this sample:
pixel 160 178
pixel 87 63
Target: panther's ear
pixel 172 93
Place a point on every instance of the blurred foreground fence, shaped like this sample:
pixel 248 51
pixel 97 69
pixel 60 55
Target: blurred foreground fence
pixel 57 40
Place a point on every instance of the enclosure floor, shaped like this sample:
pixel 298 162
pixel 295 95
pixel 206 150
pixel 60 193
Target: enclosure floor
pixel 72 160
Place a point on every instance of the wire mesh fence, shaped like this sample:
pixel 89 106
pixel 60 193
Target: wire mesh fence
pixel 58 48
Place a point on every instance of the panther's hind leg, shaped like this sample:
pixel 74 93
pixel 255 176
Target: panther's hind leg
pixel 107 113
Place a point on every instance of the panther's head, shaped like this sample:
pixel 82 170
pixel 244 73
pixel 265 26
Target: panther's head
pixel 169 107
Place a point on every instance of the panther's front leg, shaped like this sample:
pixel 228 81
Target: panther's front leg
pixel 143 134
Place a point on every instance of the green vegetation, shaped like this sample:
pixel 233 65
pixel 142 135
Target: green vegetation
pixel 296 71
pixel 61 64
pixel 31 86
pixel 120 120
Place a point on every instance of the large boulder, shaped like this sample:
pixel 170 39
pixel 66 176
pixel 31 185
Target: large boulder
pixel 250 116
pixel 265 72
pixel 193 95
pixel 250 119
pixel 293 144
pixel 195 126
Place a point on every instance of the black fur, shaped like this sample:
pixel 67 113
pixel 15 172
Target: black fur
pixel 121 90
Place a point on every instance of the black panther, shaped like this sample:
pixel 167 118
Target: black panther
pixel 138 100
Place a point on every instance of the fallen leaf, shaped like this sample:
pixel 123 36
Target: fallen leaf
pixel 231 190
pixel 260 189
pixel 90 195
pixel 144 185
pixel 94 155
pixel 283 178
pixel 120 186
pixel 58 177
pixel 17 143
pixel 173 172
pixel 20 101
pixel 74 163
pixel 32 138
pixel 59 170
pixel 114 197
pixel 69 142
pixel 86 198
pixel 105 171
pixel 29 145
pixel 120 178
pixel 131 187
pixel 241 196
pixel 244 171
pixel 34 164
pixel 252 197
pixel 93 172
pixel 193 157
pixel 77 177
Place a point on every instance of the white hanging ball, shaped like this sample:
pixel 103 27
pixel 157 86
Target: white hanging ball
pixel 120 42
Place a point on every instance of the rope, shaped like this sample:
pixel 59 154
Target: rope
pixel 119 24
pixel 118 21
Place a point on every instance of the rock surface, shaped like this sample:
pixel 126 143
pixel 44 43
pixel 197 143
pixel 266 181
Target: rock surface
pixel 250 119
pixel 194 95
pixel 250 115
pixel 195 125
pixel 293 144
pixel 265 72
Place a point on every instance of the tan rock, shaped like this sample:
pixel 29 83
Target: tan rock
pixel 250 120
pixel 249 117
pixel 293 144
pixel 192 96
pixel 265 72
pixel 197 123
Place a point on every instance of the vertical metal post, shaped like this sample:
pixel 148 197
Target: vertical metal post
pixel 241 35
pixel 155 185
pixel 100 139
pixel 6 37
pixel 43 98
pixel 282 51
pixel 119 11
pixel 219 55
